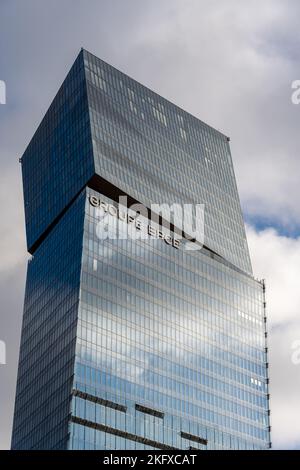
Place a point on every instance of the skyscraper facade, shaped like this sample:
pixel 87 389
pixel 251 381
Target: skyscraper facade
pixel 130 341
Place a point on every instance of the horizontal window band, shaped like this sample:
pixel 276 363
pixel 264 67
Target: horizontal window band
pixel 118 432
pixel 191 437
pixel 100 401
pixel 102 186
pixel 149 411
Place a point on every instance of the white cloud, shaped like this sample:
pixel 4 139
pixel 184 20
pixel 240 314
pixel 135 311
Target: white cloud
pixel 277 258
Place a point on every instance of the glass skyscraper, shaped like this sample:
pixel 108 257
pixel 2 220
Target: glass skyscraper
pixel 135 342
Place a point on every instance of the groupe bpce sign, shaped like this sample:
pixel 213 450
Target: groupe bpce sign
pixel 124 216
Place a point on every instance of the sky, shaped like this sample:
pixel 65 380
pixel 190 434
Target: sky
pixel 231 63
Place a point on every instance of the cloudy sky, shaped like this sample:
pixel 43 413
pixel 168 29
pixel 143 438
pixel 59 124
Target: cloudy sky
pixel 230 63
